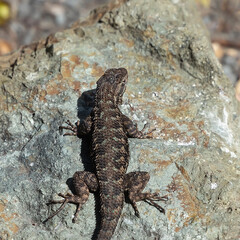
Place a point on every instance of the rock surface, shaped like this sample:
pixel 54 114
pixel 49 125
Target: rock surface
pixel 175 84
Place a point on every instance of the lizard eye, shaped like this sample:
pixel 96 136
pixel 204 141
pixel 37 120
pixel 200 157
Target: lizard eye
pixel 118 76
pixel 111 79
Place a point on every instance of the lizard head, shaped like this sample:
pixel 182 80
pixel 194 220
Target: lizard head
pixel 113 84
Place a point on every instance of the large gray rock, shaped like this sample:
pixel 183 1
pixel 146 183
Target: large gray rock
pixel 175 84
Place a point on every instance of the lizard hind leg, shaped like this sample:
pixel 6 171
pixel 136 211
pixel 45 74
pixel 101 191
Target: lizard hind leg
pixel 135 182
pixel 83 182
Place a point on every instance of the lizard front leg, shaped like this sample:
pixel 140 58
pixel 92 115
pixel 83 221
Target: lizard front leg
pixel 134 183
pixel 83 182
pixel 132 130
pixel 80 129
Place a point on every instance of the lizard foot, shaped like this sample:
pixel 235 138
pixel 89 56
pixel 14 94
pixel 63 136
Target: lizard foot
pixel 143 135
pixel 68 198
pixel 155 197
pixel 70 127
pixel 134 205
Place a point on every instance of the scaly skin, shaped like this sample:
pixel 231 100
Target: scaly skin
pixel 110 148
pixel 109 130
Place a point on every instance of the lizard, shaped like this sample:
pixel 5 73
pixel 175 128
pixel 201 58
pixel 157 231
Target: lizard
pixel 109 130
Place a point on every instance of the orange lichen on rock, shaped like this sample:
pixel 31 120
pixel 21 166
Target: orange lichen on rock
pixel 85 64
pixel 127 42
pixel 161 164
pixel 149 33
pixel 182 111
pixel 75 59
pixel 2 207
pixel 183 131
pixel 184 172
pixel 42 95
pixel 66 79
pixel 97 71
pixel 14 227
pixel 66 69
pixel 55 86
pixel 169 56
pixel 189 202
pixel 76 86
pixel 176 135
pixel 52 88
pixel 7 218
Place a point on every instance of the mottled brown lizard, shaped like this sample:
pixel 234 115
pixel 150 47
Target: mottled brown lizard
pixel 109 130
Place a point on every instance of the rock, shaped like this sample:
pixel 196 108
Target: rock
pixel 175 84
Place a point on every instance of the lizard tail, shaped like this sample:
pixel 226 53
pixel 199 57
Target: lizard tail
pixel 110 214
pixel 107 229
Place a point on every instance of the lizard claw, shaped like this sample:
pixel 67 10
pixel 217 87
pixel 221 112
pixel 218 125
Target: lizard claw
pixel 68 198
pixel 155 197
pixel 146 135
pixel 151 202
pixel 134 205
pixel 70 127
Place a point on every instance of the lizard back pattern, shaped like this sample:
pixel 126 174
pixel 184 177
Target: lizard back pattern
pixel 110 148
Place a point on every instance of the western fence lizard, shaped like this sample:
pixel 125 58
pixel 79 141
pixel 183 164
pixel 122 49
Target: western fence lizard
pixel 109 130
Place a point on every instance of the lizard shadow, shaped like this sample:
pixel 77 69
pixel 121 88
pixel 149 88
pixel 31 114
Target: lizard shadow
pixel 85 105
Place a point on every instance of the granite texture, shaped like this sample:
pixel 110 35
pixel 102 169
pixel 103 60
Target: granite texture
pixel 175 84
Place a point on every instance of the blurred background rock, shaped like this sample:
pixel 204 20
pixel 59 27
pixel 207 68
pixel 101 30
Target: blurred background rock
pixel 26 21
